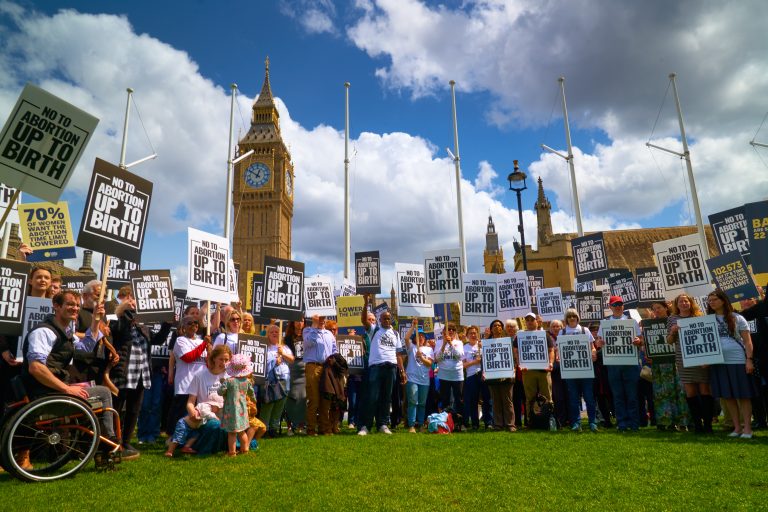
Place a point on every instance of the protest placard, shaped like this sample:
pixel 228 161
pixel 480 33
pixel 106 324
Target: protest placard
pixel 348 310
pixel 625 287
pixel 757 223
pixel 153 292
pixel 368 272
pixel 575 356
pixel 532 351
pixel 535 281
pixel 498 361
pixel 478 306
pixel 208 264
pixel 655 336
pixel 257 290
pixel 514 300
pixel 46 229
pixel 550 303
pixel 249 289
pixel 118 271
pixel 590 306
pixel 731 231
pixel 443 273
pixel 731 275
pixel 6 194
pixel 681 265
pixel 569 301
pixel 618 336
pixel 41 143
pixel 234 281
pixel 283 289
pixel 589 258
pixel 35 311
pixel 700 341
pixel 380 310
pixel 115 213
pixel 411 293
pixel 346 289
pixel 586 286
pixel 162 351
pixel 76 283
pixel 256 348
pixel 318 296
pixel 352 348
pixel 13 295
pixel 649 288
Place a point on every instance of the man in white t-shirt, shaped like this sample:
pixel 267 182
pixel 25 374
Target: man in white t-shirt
pixel 383 360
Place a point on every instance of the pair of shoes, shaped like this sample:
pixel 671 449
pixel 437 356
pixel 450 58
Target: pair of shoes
pixel 576 427
pixel 187 449
pixel 412 430
pixel 746 436
pixel 351 426
pixel 385 430
pixel 734 434
pixel 129 452
pixel 363 432
pixel 593 427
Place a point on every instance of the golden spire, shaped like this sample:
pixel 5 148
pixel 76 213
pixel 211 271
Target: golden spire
pixel 265 96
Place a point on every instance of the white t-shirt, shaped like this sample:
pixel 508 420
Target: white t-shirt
pixel 229 338
pixel 449 362
pixel 204 384
pixel 416 371
pixel 185 371
pixel 471 354
pixel 384 346
pixel 733 352
pixel 579 330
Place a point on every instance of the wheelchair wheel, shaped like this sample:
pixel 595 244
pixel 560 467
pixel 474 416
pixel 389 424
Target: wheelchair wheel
pixel 60 433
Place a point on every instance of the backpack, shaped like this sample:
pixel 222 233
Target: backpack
pixel 440 423
pixel 543 414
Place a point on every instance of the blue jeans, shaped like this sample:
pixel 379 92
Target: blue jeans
pixel 353 400
pixel 472 399
pixel 576 389
pixel 417 402
pixel 381 378
pixel 151 408
pixel 623 381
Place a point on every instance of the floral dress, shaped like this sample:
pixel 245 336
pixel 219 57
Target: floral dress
pixel 234 417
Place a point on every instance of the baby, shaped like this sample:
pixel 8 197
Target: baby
pixel 186 433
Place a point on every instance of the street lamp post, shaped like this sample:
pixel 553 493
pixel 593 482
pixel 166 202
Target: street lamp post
pixel 517 177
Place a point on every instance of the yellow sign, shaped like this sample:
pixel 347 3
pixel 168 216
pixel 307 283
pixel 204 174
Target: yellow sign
pixel 348 310
pixel 249 289
pixel 47 230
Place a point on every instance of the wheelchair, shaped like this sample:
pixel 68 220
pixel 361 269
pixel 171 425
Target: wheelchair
pixel 60 433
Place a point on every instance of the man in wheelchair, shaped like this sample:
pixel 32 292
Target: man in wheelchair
pixel 48 350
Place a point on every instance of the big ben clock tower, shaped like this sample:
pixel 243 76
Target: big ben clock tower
pixel 263 189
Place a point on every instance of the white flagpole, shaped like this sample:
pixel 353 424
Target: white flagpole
pixel 346 181
pixel 228 212
pixel 457 163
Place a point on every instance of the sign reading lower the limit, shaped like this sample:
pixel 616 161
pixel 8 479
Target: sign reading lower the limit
pixel 498 362
pixel 116 212
pixel 283 289
pixel 154 295
pixel 700 341
pixel 41 143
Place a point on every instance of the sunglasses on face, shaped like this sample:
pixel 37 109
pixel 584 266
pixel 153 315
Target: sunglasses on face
pixel 452 329
pixel 234 319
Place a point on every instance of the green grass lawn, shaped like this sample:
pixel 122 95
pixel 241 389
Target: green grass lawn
pixel 480 471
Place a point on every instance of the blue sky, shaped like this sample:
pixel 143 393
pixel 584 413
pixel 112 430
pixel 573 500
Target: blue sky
pixel 399 56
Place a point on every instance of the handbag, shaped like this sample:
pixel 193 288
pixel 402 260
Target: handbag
pixel 646 373
pixel 274 390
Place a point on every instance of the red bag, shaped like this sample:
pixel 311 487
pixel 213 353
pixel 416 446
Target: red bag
pixel 443 430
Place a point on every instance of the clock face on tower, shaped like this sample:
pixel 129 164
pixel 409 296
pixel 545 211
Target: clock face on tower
pixel 288 183
pixel 257 175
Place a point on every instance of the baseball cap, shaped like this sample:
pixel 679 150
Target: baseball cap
pixel 615 299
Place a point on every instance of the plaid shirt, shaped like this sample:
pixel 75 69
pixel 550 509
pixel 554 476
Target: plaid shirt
pixel 138 362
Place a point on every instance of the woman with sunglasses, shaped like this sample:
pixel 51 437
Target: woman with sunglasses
pixel 732 380
pixel 228 336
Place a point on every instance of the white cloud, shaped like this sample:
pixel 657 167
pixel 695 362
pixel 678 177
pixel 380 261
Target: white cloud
pixel 314 16
pixel 485 178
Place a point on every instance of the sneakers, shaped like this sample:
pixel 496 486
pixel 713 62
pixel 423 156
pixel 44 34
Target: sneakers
pixel 351 426
pixel 576 427
pixel 746 436
pixel 363 432
pixel 385 430
pixel 734 434
pixel 593 427
pixel 129 452
pixel 412 430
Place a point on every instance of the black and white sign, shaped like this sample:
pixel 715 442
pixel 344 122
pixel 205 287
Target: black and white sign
pixel 589 306
pixel 41 143
pixel 589 259
pixel 498 360
pixel 283 289
pixel 575 356
pixel 757 222
pixel 731 231
pixel 618 336
pixel 478 306
pixel 649 288
pixel 569 301
pixel 256 298
pixel 731 275
pixel 625 287
pixel 153 292
pixel 352 348
pixel 256 348
pixel 514 301
pixel 681 264
pixel 76 283
pixel 6 194
pixel 118 272
pixel 347 289
pixel 411 291
pixel 368 272
pixel 318 296
pixel 655 336
pixel 443 272
pixel 532 351
pixel 13 295
pixel 116 212
pixel 208 263
pixel 535 281
pixel 35 311
pixel 700 341
pixel 550 303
